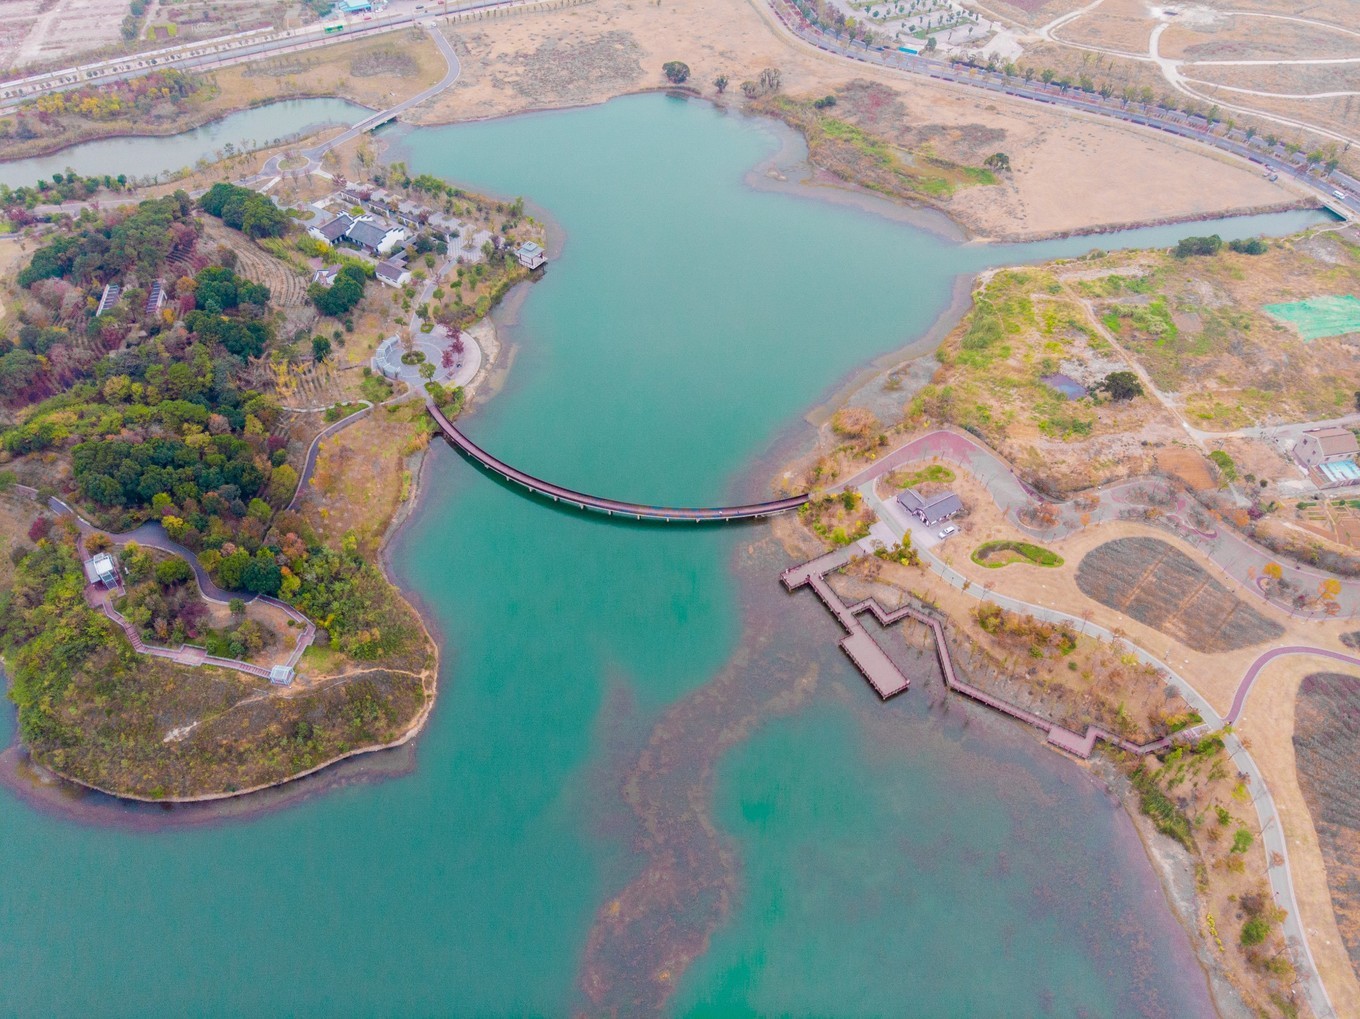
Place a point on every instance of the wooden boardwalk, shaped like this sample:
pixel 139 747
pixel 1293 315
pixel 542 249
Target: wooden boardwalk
pixel 888 680
pixel 612 507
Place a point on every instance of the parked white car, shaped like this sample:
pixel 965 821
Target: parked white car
pixel 951 529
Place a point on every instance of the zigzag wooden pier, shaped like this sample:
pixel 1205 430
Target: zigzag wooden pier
pixel 888 680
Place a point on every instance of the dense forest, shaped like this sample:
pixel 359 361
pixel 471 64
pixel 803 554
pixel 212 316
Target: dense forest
pixel 151 411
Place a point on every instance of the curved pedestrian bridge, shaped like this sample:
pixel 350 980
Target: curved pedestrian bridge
pixel 610 506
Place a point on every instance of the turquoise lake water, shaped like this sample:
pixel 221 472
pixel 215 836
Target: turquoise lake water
pixel 623 702
pixel 146 157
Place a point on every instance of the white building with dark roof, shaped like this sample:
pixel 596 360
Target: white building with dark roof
pixel 376 238
pixel 930 509
pixel 332 230
pixel 393 273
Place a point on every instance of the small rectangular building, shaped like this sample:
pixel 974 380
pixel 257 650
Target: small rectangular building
pixel 281 675
pixel 393 273
pixel 930 509
pixel 101 569
pixel 326 275
pixel 530 255
pixel 1320 446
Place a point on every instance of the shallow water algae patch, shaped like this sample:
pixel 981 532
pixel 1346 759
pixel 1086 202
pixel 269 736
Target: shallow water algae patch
pixel 1154 583
pixel 1318 317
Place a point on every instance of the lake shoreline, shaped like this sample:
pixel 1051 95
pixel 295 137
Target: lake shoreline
pixel 765 176
pixel 174 130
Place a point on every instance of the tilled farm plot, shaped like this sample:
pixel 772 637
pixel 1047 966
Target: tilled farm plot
pixel 1327 750
pixel 1150 581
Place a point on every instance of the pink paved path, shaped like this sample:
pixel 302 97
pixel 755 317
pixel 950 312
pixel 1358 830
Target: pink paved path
pixel 1244 688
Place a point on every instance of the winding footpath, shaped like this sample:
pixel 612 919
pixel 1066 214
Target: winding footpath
pixel 152 535
pixel 272 166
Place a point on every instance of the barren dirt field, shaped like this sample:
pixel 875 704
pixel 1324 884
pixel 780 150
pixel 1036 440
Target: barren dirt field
pixel 39 31
pixel 1327 746
pixel 1155 584
pixel 1118 25
pixel 1247 38
pixel 588 54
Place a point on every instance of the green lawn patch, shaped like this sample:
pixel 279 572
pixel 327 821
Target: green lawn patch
pixel 1318 317
pixel 996 554
pixel 931 472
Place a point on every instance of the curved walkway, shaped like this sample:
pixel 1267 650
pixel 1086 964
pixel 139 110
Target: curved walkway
pixel 313 155
pixel 309 464
pixel 152 535
pixel 1244 688
pixel 610 506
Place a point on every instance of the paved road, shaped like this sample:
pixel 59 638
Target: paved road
pixel 314 154
pixel 791 21
pixel 309 463
pixel 211 54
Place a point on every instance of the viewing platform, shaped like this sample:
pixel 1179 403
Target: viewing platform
pixel 888 680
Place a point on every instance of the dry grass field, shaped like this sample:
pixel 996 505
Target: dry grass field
pixel 1122 25
pixel 361 475
pixel 612 46
pixel 1243 38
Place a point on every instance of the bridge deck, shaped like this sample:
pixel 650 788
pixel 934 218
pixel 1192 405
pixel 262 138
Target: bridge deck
pixel 611 506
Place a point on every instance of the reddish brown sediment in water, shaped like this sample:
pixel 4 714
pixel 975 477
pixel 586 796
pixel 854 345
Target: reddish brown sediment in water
pixel 646 936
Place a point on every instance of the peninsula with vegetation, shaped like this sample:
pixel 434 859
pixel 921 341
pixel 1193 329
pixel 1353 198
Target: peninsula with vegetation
pixel 213 412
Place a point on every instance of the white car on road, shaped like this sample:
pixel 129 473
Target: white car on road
pixel 951 529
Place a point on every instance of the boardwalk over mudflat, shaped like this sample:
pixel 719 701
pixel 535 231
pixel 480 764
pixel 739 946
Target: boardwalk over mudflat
pixel 610 506
pixel 887 679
